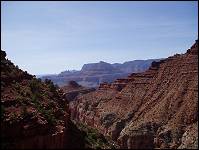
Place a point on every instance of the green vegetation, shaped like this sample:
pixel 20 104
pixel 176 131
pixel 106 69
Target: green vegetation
pixel 24 111
pixel 17 86
pixel 36 94
pixel 34 85
pixel 48 113
pixel 53 88
pixel 93 138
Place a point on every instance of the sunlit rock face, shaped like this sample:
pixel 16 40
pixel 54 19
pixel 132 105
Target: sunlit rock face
pixel 153 109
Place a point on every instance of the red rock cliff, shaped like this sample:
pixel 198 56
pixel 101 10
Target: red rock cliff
pixel 157 105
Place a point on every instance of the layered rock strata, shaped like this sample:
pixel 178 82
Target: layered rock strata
pixel 152 109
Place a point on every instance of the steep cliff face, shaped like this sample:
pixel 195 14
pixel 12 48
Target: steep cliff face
pixel 152 109
pixel 34 114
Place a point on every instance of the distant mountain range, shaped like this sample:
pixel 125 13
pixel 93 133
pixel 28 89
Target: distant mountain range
pixel 92 74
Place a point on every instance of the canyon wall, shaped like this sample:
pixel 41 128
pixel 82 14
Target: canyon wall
pixel 157 105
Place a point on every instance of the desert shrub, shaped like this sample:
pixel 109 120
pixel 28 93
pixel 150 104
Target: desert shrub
pixel 51 104
pixel 34 85
pixel 94 139
pixel 17 86
pixel 26 91
pixel 21 100
pixel 48 114
pixel 51 86
pixel 35 99
pixel 93 135
pixel 24 111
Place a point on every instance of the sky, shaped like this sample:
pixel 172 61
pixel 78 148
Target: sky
pixel 50 37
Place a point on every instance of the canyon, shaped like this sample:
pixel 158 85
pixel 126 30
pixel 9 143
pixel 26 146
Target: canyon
pixel 35 113
pixel 157 108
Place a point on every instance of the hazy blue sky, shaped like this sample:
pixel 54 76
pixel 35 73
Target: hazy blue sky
pixel 50 37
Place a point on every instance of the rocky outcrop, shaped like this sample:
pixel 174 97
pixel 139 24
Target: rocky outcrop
pixel 159 103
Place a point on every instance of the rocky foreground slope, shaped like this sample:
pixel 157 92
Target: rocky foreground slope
pixel 33 113
pixel 154 109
